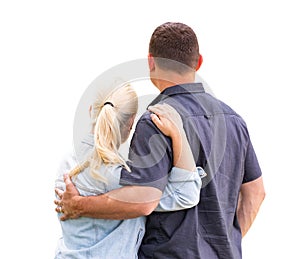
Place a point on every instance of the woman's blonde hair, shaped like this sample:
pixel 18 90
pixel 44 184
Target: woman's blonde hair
pixel 112 120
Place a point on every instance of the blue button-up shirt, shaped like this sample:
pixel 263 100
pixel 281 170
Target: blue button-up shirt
pixel 221 145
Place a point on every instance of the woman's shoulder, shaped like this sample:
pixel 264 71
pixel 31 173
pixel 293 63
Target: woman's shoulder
pixel 67 163
pixel 102 180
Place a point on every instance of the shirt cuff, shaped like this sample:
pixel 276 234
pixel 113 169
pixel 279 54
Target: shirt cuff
pixel 182 175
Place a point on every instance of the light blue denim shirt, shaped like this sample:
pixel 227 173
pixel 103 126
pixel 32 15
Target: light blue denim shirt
pixel 109 239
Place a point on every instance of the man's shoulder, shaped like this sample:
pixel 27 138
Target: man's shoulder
pixel 145 117
pixel 145 126
pixel 222 106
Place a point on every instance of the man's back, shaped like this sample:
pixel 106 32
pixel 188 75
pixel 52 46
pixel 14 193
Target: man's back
pixel 220 144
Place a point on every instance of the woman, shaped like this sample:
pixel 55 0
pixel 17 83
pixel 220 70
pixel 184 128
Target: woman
pixel 98 171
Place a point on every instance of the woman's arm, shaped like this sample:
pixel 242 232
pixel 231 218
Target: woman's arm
pixel 132 201
pixel 182 191
pixel 184 182
pixel 169 122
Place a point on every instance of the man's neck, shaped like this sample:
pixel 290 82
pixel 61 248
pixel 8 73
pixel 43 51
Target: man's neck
pixel 168 79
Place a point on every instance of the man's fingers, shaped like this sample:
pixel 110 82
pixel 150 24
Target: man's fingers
pixel 68 182
pixel 67 179
pixel 63 217
pixel 70 187
pixel 66 216
pixel 59 192
pixel 58 209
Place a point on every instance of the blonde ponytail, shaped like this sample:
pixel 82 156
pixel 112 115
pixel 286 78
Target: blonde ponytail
pixel 111 119
pixel 79 168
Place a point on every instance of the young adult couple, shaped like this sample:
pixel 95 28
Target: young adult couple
pixel 150 206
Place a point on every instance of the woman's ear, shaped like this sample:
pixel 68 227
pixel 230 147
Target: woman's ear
pixel 200 60
pixel 151 63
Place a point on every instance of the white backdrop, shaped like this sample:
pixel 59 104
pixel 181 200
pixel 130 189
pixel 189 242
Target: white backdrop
pixel 50 51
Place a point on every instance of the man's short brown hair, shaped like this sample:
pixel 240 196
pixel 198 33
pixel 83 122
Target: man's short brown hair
pixel 174 46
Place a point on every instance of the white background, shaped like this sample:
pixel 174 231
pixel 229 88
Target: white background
pixel 50 51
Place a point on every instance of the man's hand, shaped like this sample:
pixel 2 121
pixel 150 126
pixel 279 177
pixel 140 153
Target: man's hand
pixel 68 202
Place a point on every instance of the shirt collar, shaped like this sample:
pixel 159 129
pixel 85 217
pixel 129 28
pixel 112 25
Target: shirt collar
pixel 178 89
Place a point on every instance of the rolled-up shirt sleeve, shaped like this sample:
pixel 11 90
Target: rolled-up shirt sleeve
pixel 182 191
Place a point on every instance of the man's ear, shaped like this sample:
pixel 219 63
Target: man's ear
pixel 151 63
pixel 200 60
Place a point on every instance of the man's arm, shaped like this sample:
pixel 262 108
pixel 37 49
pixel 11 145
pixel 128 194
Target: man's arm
pixel 251 197
pixel 123 203
pixel 149 163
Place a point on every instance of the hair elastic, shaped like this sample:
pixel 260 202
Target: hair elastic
pixel 109 104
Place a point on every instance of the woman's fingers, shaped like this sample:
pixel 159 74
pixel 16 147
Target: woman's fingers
pixel 156 120
pixel 157 109
pixel 166 112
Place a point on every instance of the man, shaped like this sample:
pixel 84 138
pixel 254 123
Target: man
pixel 233 189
